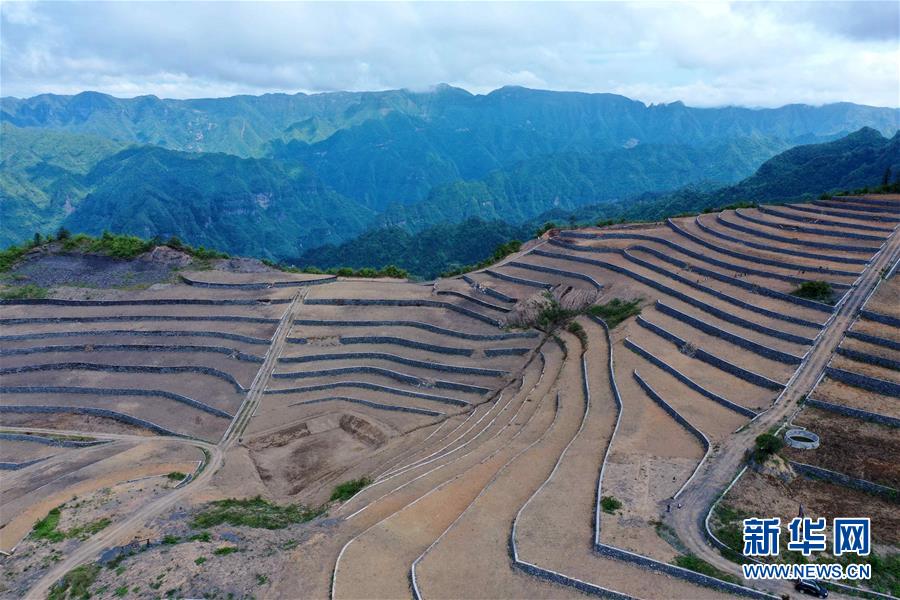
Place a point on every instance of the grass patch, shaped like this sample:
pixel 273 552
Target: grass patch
pixel 610 505
pixel 698 565
pixel 176 475
pixel 346 490
pixel 45 529
pixel 578 331
pixel 121 592
pixel 200 560
pixel 76 583
pixel 820 291
pixel 225 550
pixel 254 512
pixel 171 540
pixel 262 579
pixel 24 292
pixel 200 537
pixel 85 531
pixel 615 311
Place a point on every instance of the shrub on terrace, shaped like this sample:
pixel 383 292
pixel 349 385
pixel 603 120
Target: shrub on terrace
pixel 23 292
pixel 765 446
pixel 820 291
pixel 346 490
pixel 610 504
pixel 76 583
pixel 254 512
pixel 616 310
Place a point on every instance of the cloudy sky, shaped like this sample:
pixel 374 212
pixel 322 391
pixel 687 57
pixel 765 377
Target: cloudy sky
pixel 706 54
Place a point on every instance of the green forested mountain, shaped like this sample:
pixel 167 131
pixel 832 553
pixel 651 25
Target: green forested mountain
pixel 255 207
pixel 278 174
pixel 856 161
pixel 41 173
pixel 852 162
pixel 566 181
pixel 426 253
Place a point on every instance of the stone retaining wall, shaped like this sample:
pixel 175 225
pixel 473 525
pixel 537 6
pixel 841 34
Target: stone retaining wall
pixel 404 303
pixel 483 337
pixel 813 230
pixel 785 251
pixel 701 437
pixel 873 384
pixel 873 339
pixel 880 318
pixel 107 368
pixel 841 213
pixel 477 301
pixel 256 286
pixel 422 364
pixel 733 338
pixel 365 385
pixel 863 209
pixel 488 290
pixel 398 341
pixel 758 259
pixel 136 318
pixel 49 441
pixel 777 213
pixel 869 358
pixel 491 352
pixel 845 480
pixel 375 405
pixel 395 375
pixel 752 287
pixel 53 389
pixel 725 316
pixel 236 337
pixel 559 272
pixel 874 201
pixel 713 360
pixel 798 242
pixel 692 576
pixel 231 352
pixel 11 466
pixel 688 381
pixel 856 413
pixel 519 280
pixel 94 412
pixel 686 251
pixel 394 341
pixel 148 302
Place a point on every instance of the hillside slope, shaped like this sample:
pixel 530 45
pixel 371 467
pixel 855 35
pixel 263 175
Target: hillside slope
pixel 256 207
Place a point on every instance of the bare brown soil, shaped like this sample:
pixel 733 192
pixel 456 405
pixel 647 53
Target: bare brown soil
pixel 763 496
pixel 857 448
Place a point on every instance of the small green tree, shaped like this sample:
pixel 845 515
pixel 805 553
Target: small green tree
pixel 63 234
pixel 766 444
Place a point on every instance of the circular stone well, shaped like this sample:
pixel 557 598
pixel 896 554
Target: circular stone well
pixel 801 438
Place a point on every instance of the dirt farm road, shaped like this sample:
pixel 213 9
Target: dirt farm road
pixel 689 521
pixel 123 531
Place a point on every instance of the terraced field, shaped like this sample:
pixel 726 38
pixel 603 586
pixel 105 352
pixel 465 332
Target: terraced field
pixel 504 461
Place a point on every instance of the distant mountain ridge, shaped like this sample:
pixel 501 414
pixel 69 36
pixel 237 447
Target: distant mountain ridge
pixel 337 164
pixel 855 161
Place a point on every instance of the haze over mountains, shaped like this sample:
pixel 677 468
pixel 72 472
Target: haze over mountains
pixel 279 175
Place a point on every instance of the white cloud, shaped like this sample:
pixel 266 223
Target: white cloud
pixel 705 54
